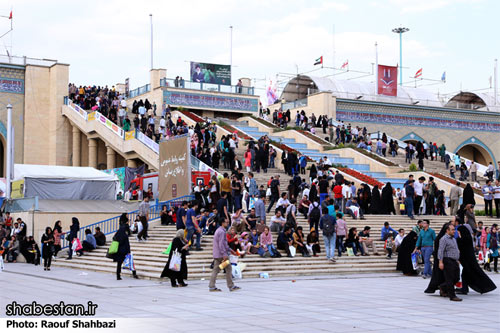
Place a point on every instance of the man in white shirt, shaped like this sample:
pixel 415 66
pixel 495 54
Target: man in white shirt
pixel 283 203
pixel 419 192
pixel 232 143
pixel 142 111
pixel 399 238
pixel 127 195
pixel 163 122
pixel 121 116
pixel 346 194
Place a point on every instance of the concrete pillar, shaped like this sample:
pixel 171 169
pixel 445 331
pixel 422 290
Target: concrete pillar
pixel 93 153
pixel 110 158
pixel 131 163
pixel 77 141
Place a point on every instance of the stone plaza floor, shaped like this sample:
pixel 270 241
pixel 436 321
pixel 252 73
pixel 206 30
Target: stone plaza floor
pixel 340 303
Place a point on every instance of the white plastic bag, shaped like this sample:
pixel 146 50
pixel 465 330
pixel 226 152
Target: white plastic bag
pixel 233 259
pixel 175 262
pixel 293 250
pixel 236 272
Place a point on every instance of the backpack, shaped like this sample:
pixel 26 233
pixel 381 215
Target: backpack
pixel 328 226
pixel 315 214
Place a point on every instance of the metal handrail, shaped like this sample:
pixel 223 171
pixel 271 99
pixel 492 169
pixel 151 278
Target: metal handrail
pixel 112 225
pixel 185 84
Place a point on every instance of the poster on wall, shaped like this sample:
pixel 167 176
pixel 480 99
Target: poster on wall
pixel 387 82
pixel 175 169
pixel 210 73
pixel 127 87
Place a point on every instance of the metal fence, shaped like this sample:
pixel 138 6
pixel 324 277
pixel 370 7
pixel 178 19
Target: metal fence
pixel 166 82
pixel 112 225
pixel 139 91
pixel 294 104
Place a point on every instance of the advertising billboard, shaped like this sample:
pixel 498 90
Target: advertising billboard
pixel 387 81
pixel 210 73
pixel 175 168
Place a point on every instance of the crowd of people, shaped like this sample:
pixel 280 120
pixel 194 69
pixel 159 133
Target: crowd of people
pixel 457 243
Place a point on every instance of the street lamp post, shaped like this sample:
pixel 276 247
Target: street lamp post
pixel 400 31
pixel 9 151
pixel 151 23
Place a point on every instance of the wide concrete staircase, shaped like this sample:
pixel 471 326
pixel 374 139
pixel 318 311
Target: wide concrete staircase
pixel 315 154
pixel 150 261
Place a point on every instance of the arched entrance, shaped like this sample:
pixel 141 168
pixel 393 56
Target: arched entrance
pixel 475 150
pixel 475 153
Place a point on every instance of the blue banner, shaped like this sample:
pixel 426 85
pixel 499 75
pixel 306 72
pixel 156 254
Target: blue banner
pixel 189 99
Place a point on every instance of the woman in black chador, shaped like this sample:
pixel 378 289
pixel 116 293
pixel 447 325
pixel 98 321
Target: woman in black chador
pixel 404 254
pixel 376 205
pixel 387 200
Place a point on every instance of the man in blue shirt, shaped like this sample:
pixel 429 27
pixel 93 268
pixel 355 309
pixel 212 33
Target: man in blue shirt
pixel 425 244
pixel 181 216
pixel 192 225
pixel 386 231
pixel 488 198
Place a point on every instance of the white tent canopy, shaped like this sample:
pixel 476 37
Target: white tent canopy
pixel 65 183
pixel 22 171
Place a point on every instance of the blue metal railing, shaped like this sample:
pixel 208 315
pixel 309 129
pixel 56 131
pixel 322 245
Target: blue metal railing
pixel 294 104
pixel 112 225
pixel 165 82
pixel 139 91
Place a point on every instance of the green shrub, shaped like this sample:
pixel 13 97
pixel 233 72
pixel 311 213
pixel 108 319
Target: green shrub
pixel 482 213
pixel 413 167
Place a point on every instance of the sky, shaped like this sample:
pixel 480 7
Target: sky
pixel 107 41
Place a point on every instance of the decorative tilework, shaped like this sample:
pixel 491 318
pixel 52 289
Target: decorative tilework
pixel 409 120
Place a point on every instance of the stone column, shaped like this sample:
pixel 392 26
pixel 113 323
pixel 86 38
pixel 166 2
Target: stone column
pixel 110 158
pixel 77 139
pixel 93 153
pixel 131 163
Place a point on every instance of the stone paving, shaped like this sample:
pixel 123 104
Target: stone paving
pixel 340 303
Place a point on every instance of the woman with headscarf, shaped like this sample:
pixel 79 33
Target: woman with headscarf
pixel 313 173
pixel 365 198
pixel 404 254
pixel 73 233
pixel 388 200
pixel 472 274
pixel 376 204
pixel 123 249
pixel 180 245
pixel 468 198
pixel 57 230
pixel 313 193
pixel 47 248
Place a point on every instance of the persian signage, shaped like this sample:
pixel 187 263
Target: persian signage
pixel 175 169
pixel 189 99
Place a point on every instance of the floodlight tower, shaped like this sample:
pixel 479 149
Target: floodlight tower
pixel 400 31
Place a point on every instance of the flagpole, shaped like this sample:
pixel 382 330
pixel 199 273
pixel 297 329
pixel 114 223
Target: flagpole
pixel 376 68
pixel 333 49
pixel 495 82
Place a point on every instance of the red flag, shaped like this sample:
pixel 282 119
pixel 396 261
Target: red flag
pixel 10 16
pixel 387 80
pixel 418 73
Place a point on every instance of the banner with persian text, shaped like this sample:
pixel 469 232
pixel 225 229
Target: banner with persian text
pixel 387 81
pixel 175 168
pixel 206 101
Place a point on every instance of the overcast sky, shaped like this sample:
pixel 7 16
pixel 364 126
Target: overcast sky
pixel 107 41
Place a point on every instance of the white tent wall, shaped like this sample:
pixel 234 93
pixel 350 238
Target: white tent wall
pixel 63 182
pixel 69 189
